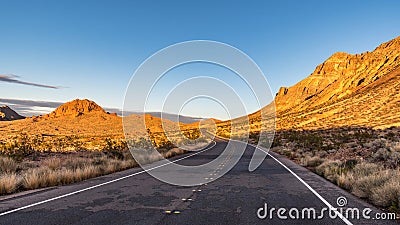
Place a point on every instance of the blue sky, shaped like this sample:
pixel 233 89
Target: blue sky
pixel 90 49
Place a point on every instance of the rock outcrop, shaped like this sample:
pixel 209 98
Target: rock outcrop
pixel 77 108
pixel 7 114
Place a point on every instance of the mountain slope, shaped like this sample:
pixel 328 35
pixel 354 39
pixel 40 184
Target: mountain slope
pixel 339 76
pixel 7 114
pixel 376 105
pixel 345 90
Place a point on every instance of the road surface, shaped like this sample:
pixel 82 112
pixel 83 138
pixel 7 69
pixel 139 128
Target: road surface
pixel 235 198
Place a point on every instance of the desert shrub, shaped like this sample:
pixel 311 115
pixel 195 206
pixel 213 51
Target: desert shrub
pixel 173 152
pixel 143 156
pixel 331 170
pixel 373 182
pixel 388 194
pixel 110 167
pixel 345 180
pixel 7 165
pixel 311 161
pixel 276 142
pixel 387 157
pixel 378 143
pixel 363 186
pixel 116 154
pixel 322 154
pixel 394 160
pixel 9 183
pixel 53 163
pixel 51 178
pixel 381 155
pixel 88 171
pixel 363 135
pixel 127 155
pixel 395 147
pixel 100 160
pixel 34 178
pixel 365 169
pixel 128 164
pixel 368 145
pixel 349 165
pixel 75 163
pixel 66 176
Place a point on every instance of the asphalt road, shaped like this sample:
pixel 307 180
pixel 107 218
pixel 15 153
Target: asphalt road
pixel 235 198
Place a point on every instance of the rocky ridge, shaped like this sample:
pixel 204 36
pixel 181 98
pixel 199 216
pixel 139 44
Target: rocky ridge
pixel 339 76
pixel 346 90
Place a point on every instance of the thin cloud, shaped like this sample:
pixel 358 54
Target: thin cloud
pixel 26 107
pixel 11 78
pixel 30 103
pixel 30 107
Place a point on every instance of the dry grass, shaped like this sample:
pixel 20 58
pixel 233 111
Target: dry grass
pixel 375 183
pixel 35 178
pixel 331 170
pixel 53 169
pixel 364 161
pixel 54 172
pixel 311 161
pixel 173 152
pixel 9 183
pixel 388 194
pixel 363 186
pixel 52 163
pixel 88 171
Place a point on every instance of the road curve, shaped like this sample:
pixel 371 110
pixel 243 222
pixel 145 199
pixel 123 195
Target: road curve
pixel 235 198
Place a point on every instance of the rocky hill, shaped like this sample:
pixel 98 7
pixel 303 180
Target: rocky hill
pixel 82 117
pixel 79 121
pixel 345 90
pixel 77 108
pixel 7 114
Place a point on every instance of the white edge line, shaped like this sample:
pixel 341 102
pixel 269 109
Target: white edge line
pixel 308 186
pixel 101 184
pixel 301 180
